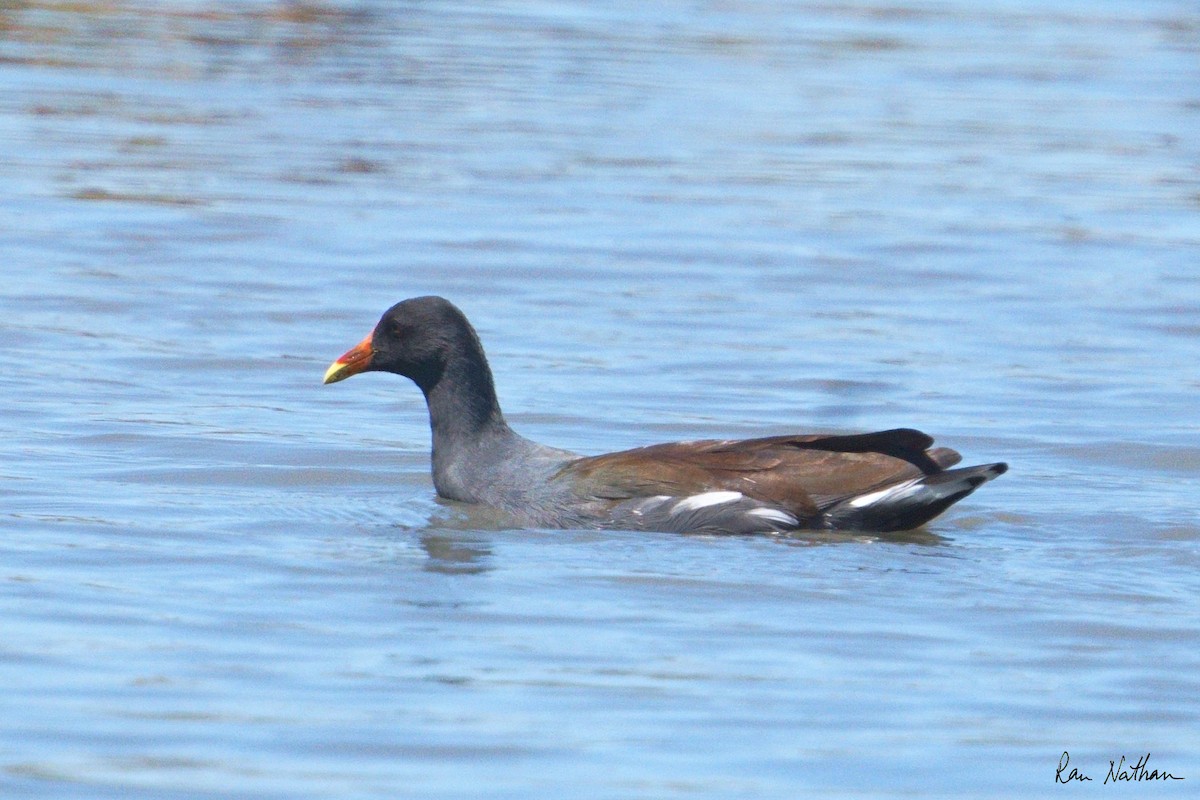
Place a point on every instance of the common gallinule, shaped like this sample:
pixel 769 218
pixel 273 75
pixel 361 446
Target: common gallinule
pixel 885 481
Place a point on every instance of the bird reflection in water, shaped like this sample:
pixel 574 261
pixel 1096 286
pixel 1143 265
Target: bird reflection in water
pixel 455 553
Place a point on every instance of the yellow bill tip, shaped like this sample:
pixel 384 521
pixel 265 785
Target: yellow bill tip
pixel 353 361
pixel 335 373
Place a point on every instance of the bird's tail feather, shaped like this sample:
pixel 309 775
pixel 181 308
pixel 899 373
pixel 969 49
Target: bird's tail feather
pixel 911 503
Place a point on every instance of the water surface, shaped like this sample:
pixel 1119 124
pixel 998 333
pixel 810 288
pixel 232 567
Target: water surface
pixel 221 579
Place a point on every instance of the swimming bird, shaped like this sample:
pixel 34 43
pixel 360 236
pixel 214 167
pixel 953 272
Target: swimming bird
pixel 884 481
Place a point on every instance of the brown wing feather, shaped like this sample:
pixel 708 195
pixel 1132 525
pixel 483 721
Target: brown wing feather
pixel 800 473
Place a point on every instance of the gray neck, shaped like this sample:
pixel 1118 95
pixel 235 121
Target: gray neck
pixel 469 432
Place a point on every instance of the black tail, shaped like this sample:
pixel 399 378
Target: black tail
pixel 911 503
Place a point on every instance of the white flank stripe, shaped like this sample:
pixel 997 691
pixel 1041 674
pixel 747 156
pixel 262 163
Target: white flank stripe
pixel 774 515
pixel 650 502
pixel 874 497
pixel 704 500
pixel 867 499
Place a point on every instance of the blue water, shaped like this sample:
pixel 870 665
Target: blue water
pixel 221 579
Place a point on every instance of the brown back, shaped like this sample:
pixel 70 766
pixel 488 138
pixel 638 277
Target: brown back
pixel 802 474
